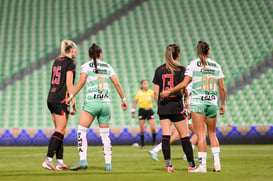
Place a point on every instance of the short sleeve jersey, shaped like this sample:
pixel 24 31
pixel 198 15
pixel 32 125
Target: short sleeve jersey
pixel 97 84
pixel 145 98
pixel 166 80
pixel 58 89
pixel 204 81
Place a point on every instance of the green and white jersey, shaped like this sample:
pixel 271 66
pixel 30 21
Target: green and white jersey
pixel 97 84
pixel 204 81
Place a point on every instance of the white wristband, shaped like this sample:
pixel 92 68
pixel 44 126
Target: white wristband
pixel 123 99
pixel 133 110
pixel 71 96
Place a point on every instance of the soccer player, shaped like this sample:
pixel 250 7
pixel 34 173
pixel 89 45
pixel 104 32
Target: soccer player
pixel 145 98
pixel 62 80
pixel 154 152
pixel 171 109
pixel 205 75
pixel 97 75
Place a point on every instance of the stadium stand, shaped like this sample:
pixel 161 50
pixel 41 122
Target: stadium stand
pixel 240 34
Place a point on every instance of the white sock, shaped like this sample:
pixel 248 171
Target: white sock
pixel 216 155
pixel 157 148
pixel 60 161
pixel 82 142
pixel 202 156
pixel 193 146
pixel 107 147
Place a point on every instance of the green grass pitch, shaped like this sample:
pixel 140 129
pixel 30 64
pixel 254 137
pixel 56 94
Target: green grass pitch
pixel 239 162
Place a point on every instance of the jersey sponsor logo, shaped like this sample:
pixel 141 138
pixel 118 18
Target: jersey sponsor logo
pixel 100 96
pixel 199 64
pixel 53 89
pixel 208 98
pixel 98 64
pixel 207 71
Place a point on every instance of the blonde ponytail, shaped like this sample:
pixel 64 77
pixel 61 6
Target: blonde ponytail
pixel 172 52
pixel 66 47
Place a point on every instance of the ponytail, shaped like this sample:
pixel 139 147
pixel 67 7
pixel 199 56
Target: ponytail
pixel 94 53
pixel 171 54
pixel 202 51
pixel 66 47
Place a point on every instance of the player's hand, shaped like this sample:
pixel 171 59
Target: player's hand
pixel 74 106
pixel 133 114
pixel 222 110
pixel 124 105
pixel 165 93
pixel 67 101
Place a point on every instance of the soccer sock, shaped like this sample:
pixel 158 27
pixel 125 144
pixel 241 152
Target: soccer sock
pixel 157 148
pixel 216 155
pixel 82 142
pixel 107 147
pixel 166 149
pixel 53 145
pixel 142 139
pixel 60 150
pixel 154 137
pixel 187 147
pixel 202 156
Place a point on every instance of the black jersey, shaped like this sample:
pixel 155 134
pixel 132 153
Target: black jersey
pixel 166 80
pixel 58 90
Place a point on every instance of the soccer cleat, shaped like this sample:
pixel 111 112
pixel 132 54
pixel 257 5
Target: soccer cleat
pixel 197 169
pixel 153 155
pixel 170 169
pixel 62 166
pixel 48 165
pixel 108 167
pixel 217 168
pixel 82 164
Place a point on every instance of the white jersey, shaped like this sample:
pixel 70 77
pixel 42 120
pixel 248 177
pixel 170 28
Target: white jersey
pixel 97 84
pixel 204 81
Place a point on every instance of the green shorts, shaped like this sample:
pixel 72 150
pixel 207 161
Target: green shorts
pixel 210 111
pixel 102 110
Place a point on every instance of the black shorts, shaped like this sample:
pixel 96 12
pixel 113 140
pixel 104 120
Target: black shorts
pixel 58 108
pixel 145 114
pixel 173 117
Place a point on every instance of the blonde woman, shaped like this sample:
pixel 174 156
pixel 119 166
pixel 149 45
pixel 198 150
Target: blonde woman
pixel 61 86
pixel 171 109
pixel 205 75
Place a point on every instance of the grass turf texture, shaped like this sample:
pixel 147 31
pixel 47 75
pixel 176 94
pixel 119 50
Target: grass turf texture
pixel 239 162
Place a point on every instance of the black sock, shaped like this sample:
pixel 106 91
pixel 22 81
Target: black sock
pixel 166 149
pixel 54 144
pixel 60 150
pixel 154 137
pixel 142 139
pixel 187 147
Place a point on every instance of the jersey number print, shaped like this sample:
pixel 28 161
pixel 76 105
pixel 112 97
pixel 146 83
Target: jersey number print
pixel 167 81
pixel 56 75
pixel 100 85
pixel 208 83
